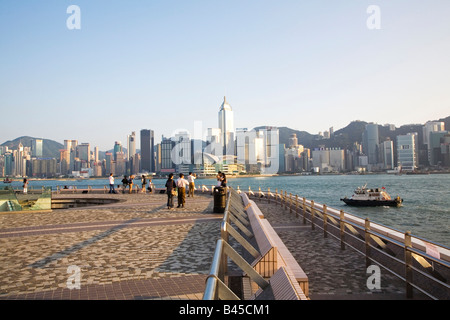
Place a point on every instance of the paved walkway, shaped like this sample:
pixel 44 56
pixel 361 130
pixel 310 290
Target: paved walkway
pixel 332 273
pixel 134 249
pixel 138 249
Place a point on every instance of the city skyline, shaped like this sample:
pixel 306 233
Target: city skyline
pixel 164 67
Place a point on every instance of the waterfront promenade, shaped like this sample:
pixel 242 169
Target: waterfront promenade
pixel 138 249
pixel 133 249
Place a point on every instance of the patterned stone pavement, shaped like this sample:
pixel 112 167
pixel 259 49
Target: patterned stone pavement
pixel 134 249
pixel 138 249
pixel 333 273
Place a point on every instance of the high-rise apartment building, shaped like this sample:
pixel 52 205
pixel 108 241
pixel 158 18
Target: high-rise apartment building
pixel 147 150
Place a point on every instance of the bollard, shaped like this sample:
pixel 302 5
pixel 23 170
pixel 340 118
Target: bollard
pixel 367 241
pixel 304 210
pixel 342 229
pixel 290 202
pixel 285 199
pixel 408 265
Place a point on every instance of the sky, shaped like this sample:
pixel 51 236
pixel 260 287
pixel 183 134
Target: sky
pixel 166 65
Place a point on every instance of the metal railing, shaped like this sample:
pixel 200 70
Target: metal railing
pixel 215 284
pixel 422 264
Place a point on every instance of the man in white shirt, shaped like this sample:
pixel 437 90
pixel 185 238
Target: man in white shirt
pixel 181 185
pixel 191 178
pixel 111 184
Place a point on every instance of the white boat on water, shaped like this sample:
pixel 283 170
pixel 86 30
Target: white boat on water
pixel 365 197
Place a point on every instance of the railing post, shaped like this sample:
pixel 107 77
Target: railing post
pixel 296 205
pixel 285 199
pixel 408 265
pixel 313 211
pixel 325 221
pixel 259 193
pixel 304 210
pixel 342 231
pixel 367 241
pixel 268 195
pixel 290 202
pixel 281 198
pixel 276 197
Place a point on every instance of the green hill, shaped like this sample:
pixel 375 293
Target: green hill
pixel 50 148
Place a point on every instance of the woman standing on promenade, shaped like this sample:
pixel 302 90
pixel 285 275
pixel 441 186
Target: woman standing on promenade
pixel 25 186
pixel 171 188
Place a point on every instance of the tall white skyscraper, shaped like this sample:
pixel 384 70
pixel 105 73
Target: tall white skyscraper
pixel 131 145
pixel 226 125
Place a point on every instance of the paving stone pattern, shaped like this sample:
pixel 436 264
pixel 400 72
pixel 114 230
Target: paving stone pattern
pixel 135 249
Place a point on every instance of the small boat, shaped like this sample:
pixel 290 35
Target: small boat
pixel 7 180
pixel 364 197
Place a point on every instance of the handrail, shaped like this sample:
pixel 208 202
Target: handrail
pixel 367 233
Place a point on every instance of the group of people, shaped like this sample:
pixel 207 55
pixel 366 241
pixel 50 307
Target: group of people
pixel 128 182
pixel 178 188
pixel 173 187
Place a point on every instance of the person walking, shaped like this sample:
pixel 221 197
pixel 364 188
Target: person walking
pixel 191 178
pixel 111 183
pixel 181 185
pixel 124 183
pixel 171 190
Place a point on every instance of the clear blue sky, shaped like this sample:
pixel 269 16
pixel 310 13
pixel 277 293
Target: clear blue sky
pixel 162 65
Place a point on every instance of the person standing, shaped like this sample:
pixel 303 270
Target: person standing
pixel 223 180
pixel 181 185
pixel 124 183
pixel 191 178
pixel 171 188
pixel 144 183
pixel 111 183
pixel 130 183
pixel 25 186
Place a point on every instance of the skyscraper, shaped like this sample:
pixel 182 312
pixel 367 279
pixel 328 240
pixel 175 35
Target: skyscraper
pixel 226 125
pixel 370 143
pixel 428 128
pixel 407 151
pixel 37 148
pixel 131 145
pixel 147 150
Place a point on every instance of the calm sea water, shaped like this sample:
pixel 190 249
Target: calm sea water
pixel 425 211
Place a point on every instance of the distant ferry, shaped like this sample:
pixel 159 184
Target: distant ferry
pixel 7 180
pixel 364 197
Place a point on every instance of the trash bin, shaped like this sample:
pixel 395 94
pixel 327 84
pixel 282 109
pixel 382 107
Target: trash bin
pixel 219 199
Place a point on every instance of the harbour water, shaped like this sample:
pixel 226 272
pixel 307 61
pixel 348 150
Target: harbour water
pixel 425 211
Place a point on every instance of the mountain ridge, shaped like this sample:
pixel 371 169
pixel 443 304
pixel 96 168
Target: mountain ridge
pixel 342 138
